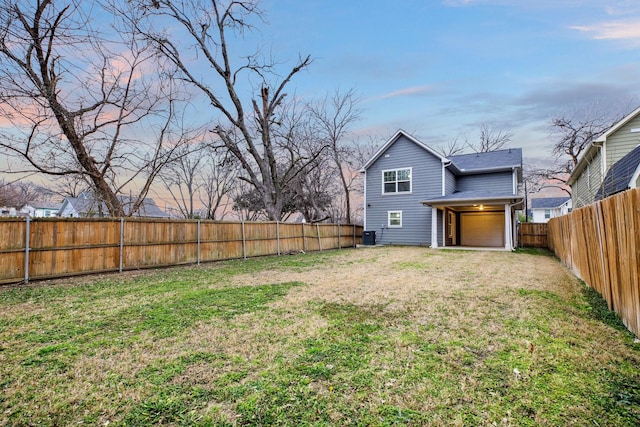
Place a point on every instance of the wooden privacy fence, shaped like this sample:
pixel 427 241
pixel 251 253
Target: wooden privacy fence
pixel 532 234
pixel 600 243
pixel 48 248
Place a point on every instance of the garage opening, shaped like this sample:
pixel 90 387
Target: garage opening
pixel 482 229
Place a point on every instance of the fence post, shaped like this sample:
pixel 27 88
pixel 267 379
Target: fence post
pixel 121 244
pixel 304 239
pixel 244 242
pixel 319 241
pixel 198 242
pixel 339 245
pixel 354 236
pixel 26 250
pixel 278 235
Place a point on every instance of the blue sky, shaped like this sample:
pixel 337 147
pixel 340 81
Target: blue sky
pixel 438 69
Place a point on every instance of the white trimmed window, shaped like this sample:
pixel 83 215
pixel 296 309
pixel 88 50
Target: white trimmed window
pixel 396 181
pixel 394 219
pixel 547 213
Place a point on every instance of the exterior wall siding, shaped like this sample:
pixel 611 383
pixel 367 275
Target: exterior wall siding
pixel 586 186
pixel 450 182
pixel 499 181
pixel 426 183
pixel 622 141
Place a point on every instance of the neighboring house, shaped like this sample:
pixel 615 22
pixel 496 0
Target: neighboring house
pixel 41 209
pixel 86 206
pixel 8 211
pixel 601 154
pixel 622 175
pixel 545 208
pixel 415 196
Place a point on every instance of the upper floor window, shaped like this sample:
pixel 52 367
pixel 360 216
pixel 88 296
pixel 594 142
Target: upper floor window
pixel 396 181
pixel 547 213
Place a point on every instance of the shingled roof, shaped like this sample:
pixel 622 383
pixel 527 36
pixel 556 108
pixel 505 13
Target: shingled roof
pixel 619 175
pixel 489 162
pixel 548 202
pixel 87 205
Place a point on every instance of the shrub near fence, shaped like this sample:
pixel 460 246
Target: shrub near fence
pixel 600 242
pixel 48 248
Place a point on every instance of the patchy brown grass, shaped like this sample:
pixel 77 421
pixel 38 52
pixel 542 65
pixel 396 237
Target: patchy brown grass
pixel 375 336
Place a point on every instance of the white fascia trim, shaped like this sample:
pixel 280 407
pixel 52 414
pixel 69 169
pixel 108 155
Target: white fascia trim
pixel 634 178
pixel 364 190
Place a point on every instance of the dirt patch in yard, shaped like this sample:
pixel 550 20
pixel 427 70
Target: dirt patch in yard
pixel 394 276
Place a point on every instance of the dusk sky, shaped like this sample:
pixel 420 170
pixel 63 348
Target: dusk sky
pixel 438 69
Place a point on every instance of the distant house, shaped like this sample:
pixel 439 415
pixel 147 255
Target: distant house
pixel 38 209
pixel 598 159
pixel 415 196
pixel 8 211
pixel 545 208
pixel 87 206
pixel 622 175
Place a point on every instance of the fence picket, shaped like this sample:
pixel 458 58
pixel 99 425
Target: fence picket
pixel 599 243
pixel 46 247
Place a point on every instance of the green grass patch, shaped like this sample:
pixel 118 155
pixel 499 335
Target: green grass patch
pixel 199 347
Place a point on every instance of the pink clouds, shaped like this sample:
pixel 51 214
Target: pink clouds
pixel 628 30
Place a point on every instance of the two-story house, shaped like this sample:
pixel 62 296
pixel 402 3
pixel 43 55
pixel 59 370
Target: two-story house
pixel 415 196
pixel 597 160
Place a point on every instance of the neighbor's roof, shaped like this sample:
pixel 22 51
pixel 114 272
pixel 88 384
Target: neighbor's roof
pixel 620 174
pixel 592 148
pixel 476 196
pixel 548 202
pixel 38 204
pixel 87 204
pixel 491 161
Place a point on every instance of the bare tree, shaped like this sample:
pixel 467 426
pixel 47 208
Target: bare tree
pixel 219 178
pixel 75 98
pixel 453 147
pixel 491 139
pixel 180 178
pixel 18 193
pixel 247 129
pixel 334 116
pixel 573 135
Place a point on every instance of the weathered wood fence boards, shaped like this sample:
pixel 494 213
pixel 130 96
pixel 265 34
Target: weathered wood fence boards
pixel 600 243
pixel 532 234
pixel 46 248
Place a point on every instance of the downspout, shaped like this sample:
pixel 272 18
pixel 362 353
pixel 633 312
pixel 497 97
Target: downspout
pixel 445 164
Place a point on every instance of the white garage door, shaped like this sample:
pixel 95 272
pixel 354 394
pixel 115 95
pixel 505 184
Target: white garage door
pixel 482 229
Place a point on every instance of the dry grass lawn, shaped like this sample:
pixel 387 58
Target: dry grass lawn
pixel 373 336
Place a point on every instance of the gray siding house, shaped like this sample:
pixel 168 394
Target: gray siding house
pixel 415 196
pixel 597 160
pixel 87 206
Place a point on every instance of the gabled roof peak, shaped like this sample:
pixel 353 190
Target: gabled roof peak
pixel 393 139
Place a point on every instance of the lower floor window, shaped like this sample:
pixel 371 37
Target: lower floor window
pixel 395 219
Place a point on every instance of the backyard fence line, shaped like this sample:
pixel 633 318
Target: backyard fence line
pixel 600 244
pixel 532 234
pixel 45 248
